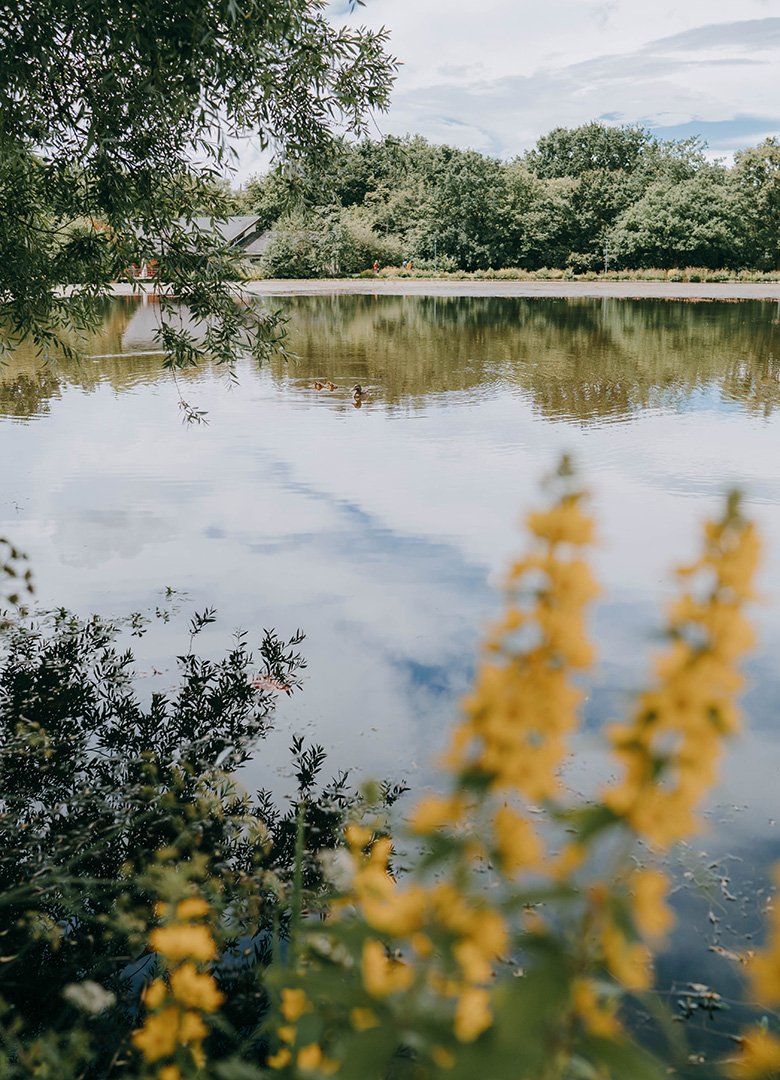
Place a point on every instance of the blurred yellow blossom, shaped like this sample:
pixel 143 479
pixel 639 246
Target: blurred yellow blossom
pixel 517 843
pixel 294 1004
pixel 653 916
pixel 362 1019
pixel 629 961
pixel 759 1058
pixel 182 942
pixel 472 1013
pixel 192 988
pixel 280 1059
pixel 382 976
pixel 159 1035
pixel 194 907
pixel 598 1015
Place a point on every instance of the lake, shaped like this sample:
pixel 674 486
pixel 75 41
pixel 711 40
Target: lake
pixel 383 531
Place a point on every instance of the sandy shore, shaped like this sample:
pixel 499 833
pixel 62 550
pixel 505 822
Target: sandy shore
pixel 627 290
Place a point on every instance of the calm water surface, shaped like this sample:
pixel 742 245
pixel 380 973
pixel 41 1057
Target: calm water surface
pixel 382 531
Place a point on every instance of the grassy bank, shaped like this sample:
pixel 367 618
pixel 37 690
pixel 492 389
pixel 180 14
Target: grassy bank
pixel 688 274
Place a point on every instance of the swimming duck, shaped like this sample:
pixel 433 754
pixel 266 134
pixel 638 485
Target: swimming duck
pixel 331 385
pixel 319 385
pixel 357 392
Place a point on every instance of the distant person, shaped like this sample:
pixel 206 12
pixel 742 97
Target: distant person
pixel 409 265
pixel 376 266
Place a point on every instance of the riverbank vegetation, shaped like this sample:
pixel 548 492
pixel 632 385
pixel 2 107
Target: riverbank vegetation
pixel 581 200
pixel 161 923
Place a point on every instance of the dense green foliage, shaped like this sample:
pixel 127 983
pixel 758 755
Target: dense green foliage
pixel 116 124
pixel 581 199
pixel 105 790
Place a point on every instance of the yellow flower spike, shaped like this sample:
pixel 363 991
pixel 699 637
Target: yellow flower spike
pixel 682 722
pixel 183 942
pixel 472 1014
pixel 287 1033
pixel 294 1004
pixel 759 1058
pixel 196 990
pixel 194 907
pixel 280 1059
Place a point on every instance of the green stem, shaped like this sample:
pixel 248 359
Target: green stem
pixel 300 836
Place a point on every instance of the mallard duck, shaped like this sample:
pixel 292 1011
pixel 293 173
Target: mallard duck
pixel 319 385
pixel 357 392
pixel 331 385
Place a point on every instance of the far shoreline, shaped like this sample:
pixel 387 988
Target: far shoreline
pixel 551 290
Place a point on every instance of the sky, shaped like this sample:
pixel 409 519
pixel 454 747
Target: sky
pixel 494 75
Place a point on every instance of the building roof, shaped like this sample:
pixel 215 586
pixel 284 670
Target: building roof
pixel 233 229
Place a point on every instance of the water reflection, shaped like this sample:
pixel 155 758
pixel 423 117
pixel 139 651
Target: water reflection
pixel 576 359
pixel 383 530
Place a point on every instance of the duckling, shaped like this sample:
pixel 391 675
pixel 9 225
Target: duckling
pixel 319 385
pixel 331 385
pixel 357 392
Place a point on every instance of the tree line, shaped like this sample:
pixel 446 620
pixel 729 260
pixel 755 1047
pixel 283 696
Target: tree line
pixel 584 199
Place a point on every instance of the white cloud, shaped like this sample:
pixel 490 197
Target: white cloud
pixel 496 75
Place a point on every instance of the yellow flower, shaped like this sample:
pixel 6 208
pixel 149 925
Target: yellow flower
pixel 280 1058
pixel 564 523
pixel 192 1028
pixel 399 914
pixel 653 916
pixel 597 1015
pixel 357 837
pixel 183 942
pixel 362 1019
pixel 760 1057
pixel 159 1035
pixel 294 1004
pixel 192 908
pixel 472 1014
pixel 286 1033
pixel 169 1072
pixel 309 1057
pixel 517 843
pixel 155 994
pixel 198 991
pixel 442 1057
pixel 382 976
pixel 765 973
pixel 629 962
pixel 435 812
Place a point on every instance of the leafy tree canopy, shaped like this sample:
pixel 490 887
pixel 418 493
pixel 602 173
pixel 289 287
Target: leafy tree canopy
pixel 116 123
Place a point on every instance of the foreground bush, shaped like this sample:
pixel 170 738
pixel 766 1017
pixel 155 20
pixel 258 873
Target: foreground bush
pixel 512 946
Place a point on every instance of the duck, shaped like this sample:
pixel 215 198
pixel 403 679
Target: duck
pixel 331 385
pixel 319 385
pixel 357 392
